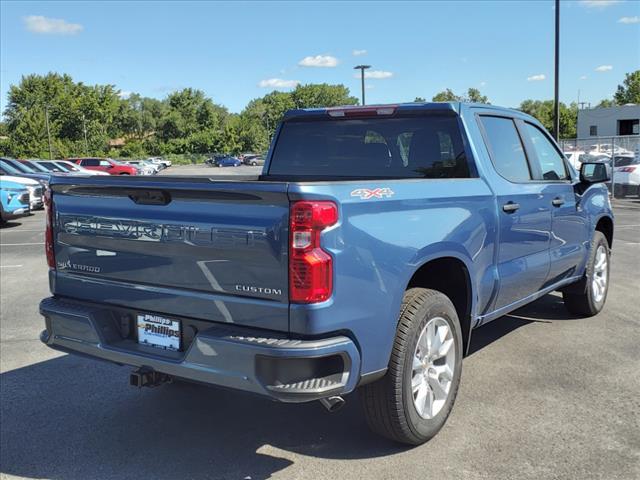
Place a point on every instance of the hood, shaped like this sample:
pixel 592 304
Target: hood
pixel 20 180
pixel 8 184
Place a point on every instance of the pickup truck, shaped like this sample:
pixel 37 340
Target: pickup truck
pixel 374 242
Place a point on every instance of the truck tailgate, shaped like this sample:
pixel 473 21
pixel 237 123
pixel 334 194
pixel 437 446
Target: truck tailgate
pixel 194 247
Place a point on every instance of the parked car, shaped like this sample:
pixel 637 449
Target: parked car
pixel 35 166
pixel 14 200
pixel 145 168
pixel 253 160
pixel 52 166
pixel 609 149
pixel 163 162
pixel 227 162
pixel 13 167
pixel 33 187
pixel 626 176
pixel 77 169
pixel 107 165
pixel 345 264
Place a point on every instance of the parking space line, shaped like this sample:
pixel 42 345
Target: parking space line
pixel 19 244
pixel 10 266
pixel 23 230
pixel 626 226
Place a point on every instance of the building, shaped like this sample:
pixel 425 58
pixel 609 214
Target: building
pixel 609 121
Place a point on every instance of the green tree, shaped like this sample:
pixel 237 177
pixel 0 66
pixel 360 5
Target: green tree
pixel 606 103
pixel 473 95
pixel 543 112
pixel 629 91
pixel 322 95
pixel 419 100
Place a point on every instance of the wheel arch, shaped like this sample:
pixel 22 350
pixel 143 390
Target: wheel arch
pixel 449 275
pixel 605 226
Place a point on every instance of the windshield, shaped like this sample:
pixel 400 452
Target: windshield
pixel 9 169
pixel 20 166
pixel 400 147
pixel 64 167
pixel 35 166
pixel 52 167
pixel 625 161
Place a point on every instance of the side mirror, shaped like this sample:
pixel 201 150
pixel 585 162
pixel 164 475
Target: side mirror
pixel 594 172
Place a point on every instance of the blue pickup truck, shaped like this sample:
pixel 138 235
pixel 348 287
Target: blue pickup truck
pixel 374 242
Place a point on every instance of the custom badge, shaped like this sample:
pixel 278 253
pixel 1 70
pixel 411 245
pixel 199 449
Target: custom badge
pixel 366 194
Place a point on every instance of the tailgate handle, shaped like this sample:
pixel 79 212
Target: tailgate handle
pixel 150 197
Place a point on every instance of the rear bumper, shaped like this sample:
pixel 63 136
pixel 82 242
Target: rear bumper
pixel 256 361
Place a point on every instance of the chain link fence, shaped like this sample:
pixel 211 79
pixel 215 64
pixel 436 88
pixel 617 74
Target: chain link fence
pixel 620 152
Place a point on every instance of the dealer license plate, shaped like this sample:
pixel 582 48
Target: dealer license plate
pixel 159 332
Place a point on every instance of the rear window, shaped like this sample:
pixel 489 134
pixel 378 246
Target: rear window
pixel 403 147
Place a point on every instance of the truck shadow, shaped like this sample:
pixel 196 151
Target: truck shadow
pixel 71 418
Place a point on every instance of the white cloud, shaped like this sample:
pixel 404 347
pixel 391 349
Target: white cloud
pixel 51 26
pixel 629 20
pixel 124 94
pixel 598 3
pixel 604 68
pixel 583 77
pixel 536 78
pixel 325 61
pixel 482 84
pixel 377 74
pixel 358 53
pixel 278 83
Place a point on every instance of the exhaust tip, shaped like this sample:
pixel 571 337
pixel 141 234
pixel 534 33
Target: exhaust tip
pixel 333 404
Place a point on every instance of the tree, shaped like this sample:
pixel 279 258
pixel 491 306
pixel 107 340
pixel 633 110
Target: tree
pixel 419 100
pixel 629 91
pixel 605 103
pixel 543 112
pixel 473 95
pixel 322 95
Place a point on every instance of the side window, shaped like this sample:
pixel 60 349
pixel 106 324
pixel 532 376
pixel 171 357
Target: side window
pixel 551 164
pixel 507 152
pixel 90 162
pixel 104 163
pixel 402 142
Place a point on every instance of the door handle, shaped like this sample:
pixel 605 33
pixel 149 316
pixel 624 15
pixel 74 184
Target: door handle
pixel 557 202
pixel 510 207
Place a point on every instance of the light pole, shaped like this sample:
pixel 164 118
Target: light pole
pixel 46 117
pixel 556 101
pixel 362 68
pixel 84 128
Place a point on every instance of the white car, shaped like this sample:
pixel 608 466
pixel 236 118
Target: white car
pixel 145 167
pixel 160 161
pixel 75 169
pixel 36 191
pixel 626 176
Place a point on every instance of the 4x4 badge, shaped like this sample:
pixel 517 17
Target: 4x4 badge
pixel 366 194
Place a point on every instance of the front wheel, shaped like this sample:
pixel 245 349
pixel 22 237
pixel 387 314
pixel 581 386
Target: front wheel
pixel 588 296
pixel 411 403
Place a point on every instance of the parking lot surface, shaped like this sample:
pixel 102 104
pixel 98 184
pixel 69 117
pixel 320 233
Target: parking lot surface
pixel 543 395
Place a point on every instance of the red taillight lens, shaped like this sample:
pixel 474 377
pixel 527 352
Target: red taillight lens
pixel 310 267
pixel 48 234
pixel 627 169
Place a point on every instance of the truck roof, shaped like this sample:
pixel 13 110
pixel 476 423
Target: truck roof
pixel 356 110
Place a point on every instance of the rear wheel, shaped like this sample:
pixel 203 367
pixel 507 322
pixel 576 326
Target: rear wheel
pixel 124 173
pixel 588 297
pixel 411 403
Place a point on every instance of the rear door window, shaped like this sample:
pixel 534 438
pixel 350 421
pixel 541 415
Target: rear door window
pixel 506 149
pixel 399 147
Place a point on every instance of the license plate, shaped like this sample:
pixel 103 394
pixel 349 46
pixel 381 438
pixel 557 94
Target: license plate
pixel 159 332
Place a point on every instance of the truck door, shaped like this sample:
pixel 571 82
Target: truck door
pixel 569 234
pixel 523 211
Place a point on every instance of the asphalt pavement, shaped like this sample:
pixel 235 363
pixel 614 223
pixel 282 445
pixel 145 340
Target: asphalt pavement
pixel 544 395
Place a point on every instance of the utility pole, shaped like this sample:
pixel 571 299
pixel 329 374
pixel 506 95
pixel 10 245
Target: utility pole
pixel 46 116
pixel 362 68
pixel 84 128
pixel 556 101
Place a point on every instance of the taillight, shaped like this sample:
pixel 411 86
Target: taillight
pixel 48 234
pixel 627 169
pixel 310 267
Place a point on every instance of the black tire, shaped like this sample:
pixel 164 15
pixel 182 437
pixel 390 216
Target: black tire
pixel 580 299
pixel 124 173
pixel 388 403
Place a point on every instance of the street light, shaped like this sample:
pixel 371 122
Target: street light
pixel 556 93
pixel 362 68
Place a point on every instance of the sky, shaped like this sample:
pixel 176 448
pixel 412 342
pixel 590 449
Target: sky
pixel 237 51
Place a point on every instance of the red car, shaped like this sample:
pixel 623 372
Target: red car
pixel 106 165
